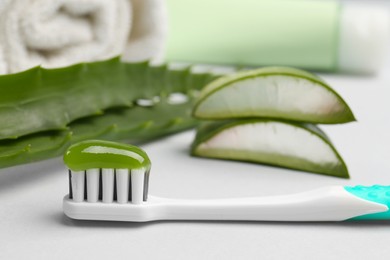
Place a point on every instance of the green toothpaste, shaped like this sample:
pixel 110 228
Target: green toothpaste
pixel 104 154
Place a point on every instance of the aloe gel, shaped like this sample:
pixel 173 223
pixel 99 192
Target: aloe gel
pixel 273 142
pixel 272 92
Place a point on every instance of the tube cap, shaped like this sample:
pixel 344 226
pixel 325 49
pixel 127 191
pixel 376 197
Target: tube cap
pixel 364 38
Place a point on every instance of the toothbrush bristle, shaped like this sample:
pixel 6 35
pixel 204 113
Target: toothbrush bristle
pixel 92 185
pixel 109 185
pixel 70 184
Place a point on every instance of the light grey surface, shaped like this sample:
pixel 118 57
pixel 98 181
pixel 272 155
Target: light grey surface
pixel 33 226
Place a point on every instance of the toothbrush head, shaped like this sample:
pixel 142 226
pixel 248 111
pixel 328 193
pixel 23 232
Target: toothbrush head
pixel 107 171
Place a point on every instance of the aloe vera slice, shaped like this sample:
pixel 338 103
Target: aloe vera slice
pixel 49 99
pixel 135 124
pixel 287 144
pixel 272 92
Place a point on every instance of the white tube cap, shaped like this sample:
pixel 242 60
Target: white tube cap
pixel 364 38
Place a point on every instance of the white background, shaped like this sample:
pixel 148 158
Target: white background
pixel 32 225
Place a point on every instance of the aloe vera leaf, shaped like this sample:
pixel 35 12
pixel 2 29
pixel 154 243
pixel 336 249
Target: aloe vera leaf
pixel 48 99
pixel 273 92
pixel 132 124
pixel 135 124
pixel 33 147
pixel 271 142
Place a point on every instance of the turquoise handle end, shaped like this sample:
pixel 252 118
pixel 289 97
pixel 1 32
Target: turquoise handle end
pixel 377 193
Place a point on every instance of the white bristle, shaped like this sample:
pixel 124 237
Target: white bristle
pixel 108 185
pixel 92 185
pixel 137 185
pixel 122 185
pixel 78 185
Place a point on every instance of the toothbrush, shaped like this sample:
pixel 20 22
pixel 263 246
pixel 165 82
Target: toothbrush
pixel 109 181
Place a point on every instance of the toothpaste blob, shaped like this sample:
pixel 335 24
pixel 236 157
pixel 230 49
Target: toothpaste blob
pixel 104 154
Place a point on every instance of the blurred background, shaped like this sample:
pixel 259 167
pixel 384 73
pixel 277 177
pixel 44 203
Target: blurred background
pixel 347 36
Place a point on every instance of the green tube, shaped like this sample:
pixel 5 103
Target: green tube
pixel 254 32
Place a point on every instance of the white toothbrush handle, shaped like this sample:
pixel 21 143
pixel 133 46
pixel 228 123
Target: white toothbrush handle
pixel 325 204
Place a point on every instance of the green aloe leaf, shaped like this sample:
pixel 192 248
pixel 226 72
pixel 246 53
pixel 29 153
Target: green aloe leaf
pixel 135 124
pixel 272 92
pixel 41 99
pixel 273 142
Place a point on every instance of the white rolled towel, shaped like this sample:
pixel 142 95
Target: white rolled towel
pixel 56 33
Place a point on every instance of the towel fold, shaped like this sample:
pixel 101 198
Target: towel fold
pixel 56 33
